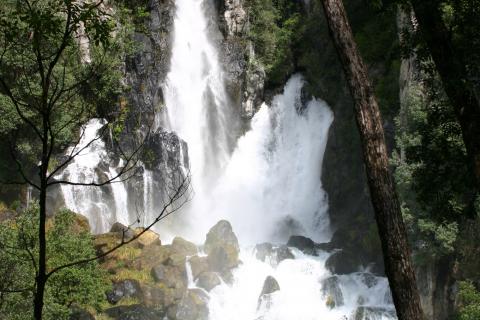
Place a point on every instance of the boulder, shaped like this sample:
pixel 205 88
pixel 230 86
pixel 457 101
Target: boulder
pixel 106 241
pixel 158 296
pixel 170 276
pixel 208 280
pixel 270 285
pixel 222 247
pixel 304 244
pixel 343 262
pixel 183 247
pixel 147 238
pixel 193 306
pixel 123 289
pixel 332 292
pixel 122 230
pixel 77 313
pixel 198 265
pixel 134 312
pixel 152 255
pixel 275 255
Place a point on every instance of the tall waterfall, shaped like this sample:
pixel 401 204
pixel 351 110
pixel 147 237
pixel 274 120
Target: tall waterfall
pixel 267 183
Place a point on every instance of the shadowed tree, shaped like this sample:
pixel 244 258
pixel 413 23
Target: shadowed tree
pixel 396 252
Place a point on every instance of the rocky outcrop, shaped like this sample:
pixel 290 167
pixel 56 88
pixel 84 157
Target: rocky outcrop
pixel 245 77
pixel 155 277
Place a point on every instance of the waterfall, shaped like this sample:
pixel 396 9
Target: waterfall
pixel 102 206
pixel 267 183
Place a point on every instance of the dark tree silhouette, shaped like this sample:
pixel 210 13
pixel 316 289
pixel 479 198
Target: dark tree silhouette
pixel 396 252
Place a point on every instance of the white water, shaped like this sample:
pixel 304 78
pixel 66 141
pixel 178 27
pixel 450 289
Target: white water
pixel 267 183
pixel 84 168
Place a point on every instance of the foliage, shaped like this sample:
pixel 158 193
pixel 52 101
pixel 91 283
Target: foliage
pixel 431 172
pixel 81 285
pixel 469 302
pixel 276 29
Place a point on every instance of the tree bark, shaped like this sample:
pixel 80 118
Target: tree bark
pixel 396 252
pixel 453 72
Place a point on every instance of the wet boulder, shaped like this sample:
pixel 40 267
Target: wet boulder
pixel 343 262
pixel 208 280
pixel 222 247
pixel 267 252
pixel 123 289
pixel 193 306
pixel 332 292
pixel 270 285
pixel 304 244
pixel 368 279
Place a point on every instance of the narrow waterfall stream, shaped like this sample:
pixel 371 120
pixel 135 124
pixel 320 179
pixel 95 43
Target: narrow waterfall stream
pixel 266 183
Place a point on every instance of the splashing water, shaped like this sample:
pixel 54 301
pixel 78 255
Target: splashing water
pixel 93 202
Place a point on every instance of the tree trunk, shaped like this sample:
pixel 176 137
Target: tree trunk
pixel 396 252
pixel 453 72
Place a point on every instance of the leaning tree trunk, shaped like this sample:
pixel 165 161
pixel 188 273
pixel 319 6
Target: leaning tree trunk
pixel 454 75
pixel 396 252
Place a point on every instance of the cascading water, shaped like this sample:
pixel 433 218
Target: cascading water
pixel 267 184
pixel 91 161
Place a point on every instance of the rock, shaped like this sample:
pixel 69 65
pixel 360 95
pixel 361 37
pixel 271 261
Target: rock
pixel 159 273
pixel 123 289
pixel 184 247
pixel 263 250
pixel 198 265
pixel 342 262
pixel 121 229
pixel 152 256
pixel 81 224
pixel 104 242
pixel 222 247
pixel 369 279
pixel 193 306
pixel 270 285
pixel 77 313
pixel 373 313
pixel 208 280
pixel 170 276
pixel 157 296
pixel 331 290
pixel 274 254
pixel 304 244
pixel 134 312
pixel 147 238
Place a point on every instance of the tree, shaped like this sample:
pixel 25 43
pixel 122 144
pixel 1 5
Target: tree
pixel 396 252
pixel 58 60
pixel 451 63
pixel 67 240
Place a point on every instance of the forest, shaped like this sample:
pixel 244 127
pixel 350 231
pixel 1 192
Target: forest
pixel 239 159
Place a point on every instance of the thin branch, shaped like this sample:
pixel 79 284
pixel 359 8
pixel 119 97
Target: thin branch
pixel 180 192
